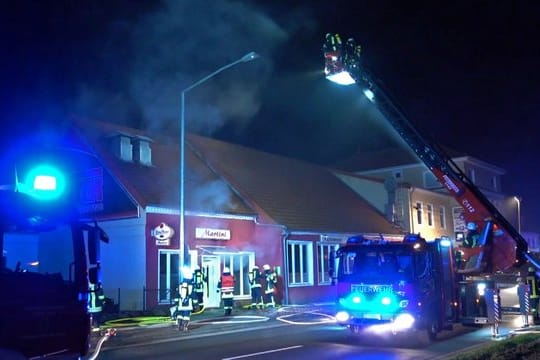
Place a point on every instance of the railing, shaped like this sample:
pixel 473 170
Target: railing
pixel 136 299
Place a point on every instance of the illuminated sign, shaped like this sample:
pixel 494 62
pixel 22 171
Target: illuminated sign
pixel 163 234
pixel 367 288
pixel 215 234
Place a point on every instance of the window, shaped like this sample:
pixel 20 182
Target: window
pixel 442 217
pixel 300 262
pixel 429 214
pixel 168 275
pixel 418 208
pixel 239 264
pixel 324 255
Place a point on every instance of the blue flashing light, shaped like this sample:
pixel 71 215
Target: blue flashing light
pixel 44 182
pixel 386 300
pixel 445 242
pixel 481 288
pixel 381 303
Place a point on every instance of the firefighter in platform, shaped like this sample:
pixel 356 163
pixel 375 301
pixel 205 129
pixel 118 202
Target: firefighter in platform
pixel 471 239
pixel 226 286
pixel 255 278
pixel 184 306
pixel 332 43
pixel 534 293
pixel 271 282
pixel 199 284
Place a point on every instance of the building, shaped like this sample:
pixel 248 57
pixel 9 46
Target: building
pixel 242 208
pixel 410 195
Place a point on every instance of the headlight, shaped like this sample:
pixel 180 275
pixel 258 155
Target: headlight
pixel 404 321
pixel 342 316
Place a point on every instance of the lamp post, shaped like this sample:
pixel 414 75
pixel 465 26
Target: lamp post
pixel 518 202
pixel 248 57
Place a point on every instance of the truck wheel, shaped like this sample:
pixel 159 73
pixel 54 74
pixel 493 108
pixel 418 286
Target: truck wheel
pixel 433 330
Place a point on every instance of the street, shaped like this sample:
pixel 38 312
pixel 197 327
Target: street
pixel 288 340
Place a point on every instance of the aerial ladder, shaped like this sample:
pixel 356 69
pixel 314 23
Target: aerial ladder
pixel 501 246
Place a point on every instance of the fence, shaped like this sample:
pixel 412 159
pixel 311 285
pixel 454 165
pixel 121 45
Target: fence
pixel 136 299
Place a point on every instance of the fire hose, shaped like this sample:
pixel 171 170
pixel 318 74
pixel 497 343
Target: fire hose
pixel 108 333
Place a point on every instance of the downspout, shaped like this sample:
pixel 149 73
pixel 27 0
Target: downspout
pixel 284 235
pixel 285 277
pixel 411 210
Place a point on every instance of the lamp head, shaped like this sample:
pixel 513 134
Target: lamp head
pixel 250 56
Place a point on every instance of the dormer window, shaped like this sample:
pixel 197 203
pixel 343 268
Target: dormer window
pixel 121 147
pixel 142 153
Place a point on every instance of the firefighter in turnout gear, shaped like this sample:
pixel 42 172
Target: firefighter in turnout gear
pixel 472 236
pixel 226 286
pixel 199 281
pixel 184 306
pixel 271 282
pixel 532 281
pixel 255 278
pixel 95 303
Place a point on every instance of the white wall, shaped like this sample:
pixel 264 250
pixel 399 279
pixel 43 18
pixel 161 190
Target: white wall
pixel 370 190
pixel 123 262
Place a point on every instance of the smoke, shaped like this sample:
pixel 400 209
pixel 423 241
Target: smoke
pixel 150 59
pixel 213 196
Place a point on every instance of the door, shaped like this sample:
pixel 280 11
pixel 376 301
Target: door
pixel 211 266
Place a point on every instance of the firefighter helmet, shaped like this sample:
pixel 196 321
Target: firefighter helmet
pixel 226 270
pixel 497 231
pixel 471 226
pixel 184 290
pixel 266 267
pixel 255 267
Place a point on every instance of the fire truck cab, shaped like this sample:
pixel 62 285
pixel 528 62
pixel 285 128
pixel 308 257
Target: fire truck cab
pixel 390 286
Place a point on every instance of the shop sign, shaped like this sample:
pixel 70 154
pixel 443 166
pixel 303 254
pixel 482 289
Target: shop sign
pixel 215 234
pixel 163 234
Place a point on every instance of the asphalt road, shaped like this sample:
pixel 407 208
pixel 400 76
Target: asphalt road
pixel 299 335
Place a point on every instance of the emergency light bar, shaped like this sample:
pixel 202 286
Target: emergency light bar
pixel 43 182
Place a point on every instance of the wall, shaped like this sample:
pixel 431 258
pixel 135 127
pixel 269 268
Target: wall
pixel 124 262
pixel 246 235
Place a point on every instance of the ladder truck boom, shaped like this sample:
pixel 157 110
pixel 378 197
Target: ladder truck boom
pixel 501 245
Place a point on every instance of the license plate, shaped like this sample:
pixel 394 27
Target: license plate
pixel 372 316
pixel 480 320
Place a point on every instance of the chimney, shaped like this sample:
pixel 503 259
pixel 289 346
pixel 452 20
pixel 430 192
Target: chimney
pixel 142 153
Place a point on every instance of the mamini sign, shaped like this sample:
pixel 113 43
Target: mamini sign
pixel 216 234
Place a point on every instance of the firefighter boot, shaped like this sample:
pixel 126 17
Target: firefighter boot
pixel 185 325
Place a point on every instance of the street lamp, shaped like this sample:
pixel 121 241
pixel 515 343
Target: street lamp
pixel 248 57
pixel 518 201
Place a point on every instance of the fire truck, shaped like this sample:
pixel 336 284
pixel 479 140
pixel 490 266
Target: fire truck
pixel 414 283
pixel 49 254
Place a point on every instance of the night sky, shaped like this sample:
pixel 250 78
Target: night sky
pixel 464 72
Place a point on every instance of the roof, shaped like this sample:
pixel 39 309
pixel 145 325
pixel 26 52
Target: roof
pixel 158 185
pixel 386 158
pixel 294 193
pixel 226 178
